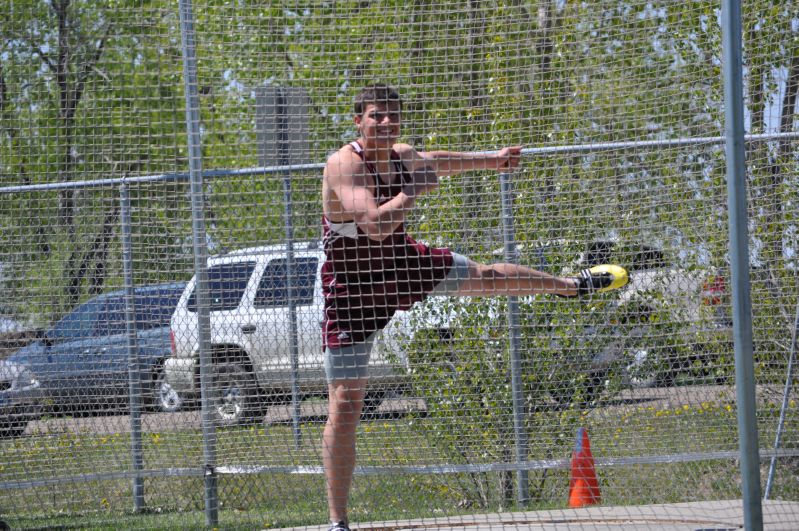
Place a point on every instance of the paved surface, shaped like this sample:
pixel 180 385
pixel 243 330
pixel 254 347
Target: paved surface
pixel 189 420
pixel 696 516
pixel 659 398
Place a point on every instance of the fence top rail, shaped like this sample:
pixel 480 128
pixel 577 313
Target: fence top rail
pixel 261 170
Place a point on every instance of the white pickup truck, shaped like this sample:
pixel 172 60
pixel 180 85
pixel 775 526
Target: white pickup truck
pixel 251 334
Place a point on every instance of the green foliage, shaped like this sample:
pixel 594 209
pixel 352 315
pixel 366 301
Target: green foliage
pixel 495 74
pixel 74 74
pixel 466 383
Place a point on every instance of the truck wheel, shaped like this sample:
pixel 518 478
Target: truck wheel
pixel 234 396
pixel 371 402
pixel 584 393
pixel 163 397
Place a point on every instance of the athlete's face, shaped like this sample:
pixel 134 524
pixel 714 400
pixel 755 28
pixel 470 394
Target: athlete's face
pixel 380 122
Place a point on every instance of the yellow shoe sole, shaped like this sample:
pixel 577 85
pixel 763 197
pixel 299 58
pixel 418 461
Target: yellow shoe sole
pixel 620 276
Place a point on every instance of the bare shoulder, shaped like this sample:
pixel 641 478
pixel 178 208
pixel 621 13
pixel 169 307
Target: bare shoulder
pixel 343 164
pixel 343 154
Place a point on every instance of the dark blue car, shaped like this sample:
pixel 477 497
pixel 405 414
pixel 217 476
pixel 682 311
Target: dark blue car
pixel 20 398
pixel 82 362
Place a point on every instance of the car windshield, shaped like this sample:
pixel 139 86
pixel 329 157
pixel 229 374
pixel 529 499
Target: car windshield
pixel 107 315
pixel 153 310
pixel 111 320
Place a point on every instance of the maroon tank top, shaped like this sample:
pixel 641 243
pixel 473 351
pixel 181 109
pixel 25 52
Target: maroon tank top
pixel 366 281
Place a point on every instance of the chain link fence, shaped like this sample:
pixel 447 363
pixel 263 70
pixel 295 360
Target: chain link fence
pixel 110 202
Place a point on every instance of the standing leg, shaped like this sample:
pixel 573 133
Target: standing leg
pixel 338 443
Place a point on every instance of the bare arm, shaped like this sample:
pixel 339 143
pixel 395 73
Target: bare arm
pixel 348 193
pixel 447 163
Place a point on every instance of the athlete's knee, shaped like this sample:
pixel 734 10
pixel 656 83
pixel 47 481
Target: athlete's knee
pixel 347 397
pixel 487 273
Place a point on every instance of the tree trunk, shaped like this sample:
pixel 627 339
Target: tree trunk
pixel 96 255
pixel 66 198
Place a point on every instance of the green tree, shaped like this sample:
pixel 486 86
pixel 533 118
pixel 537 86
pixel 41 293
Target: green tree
pixel 74 75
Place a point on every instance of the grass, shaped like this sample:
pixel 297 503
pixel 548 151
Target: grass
pixel 281 500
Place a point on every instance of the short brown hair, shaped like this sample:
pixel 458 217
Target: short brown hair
pixel 377 93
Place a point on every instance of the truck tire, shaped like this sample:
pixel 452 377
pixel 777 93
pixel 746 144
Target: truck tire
pixel 589 391
pixel 162 397
pixel 371 402
pixel 234 396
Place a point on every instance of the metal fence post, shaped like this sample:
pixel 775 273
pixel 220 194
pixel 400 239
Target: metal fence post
pixel 134 367
pixel 200 256
pixel 511 255
pixel 281 126
pixel 739 262
pixel 284 150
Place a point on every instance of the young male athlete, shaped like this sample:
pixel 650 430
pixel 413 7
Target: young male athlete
pixel 373 268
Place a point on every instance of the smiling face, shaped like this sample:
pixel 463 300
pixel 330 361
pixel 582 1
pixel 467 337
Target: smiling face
pixel 379 125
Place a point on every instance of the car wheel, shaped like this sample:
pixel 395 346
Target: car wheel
pixel 234 395
pixel 164 398
pixel 639 373
pixel 650 368
pixel 12 427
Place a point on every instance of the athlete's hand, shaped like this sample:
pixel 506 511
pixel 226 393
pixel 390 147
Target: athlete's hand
pixel 424 180
pixel 508 158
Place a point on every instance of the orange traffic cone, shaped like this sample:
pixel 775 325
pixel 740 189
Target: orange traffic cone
pixel 584 486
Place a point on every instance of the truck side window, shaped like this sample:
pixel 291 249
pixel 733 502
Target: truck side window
pixel 644 258
pixel 226 285
pixel 598 252
pixel 273 289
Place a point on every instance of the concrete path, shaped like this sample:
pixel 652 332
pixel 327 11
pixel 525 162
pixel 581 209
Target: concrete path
pixel 696 516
